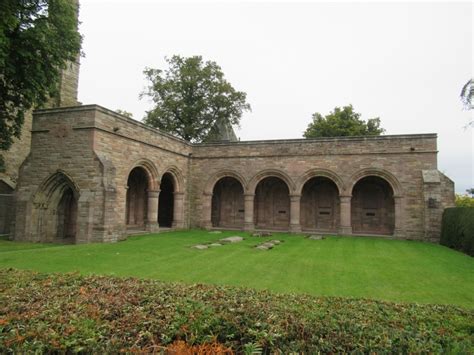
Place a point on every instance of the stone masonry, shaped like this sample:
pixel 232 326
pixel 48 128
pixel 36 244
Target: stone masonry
pixel 89 152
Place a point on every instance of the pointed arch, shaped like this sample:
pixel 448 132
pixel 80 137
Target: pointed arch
pixel 56 208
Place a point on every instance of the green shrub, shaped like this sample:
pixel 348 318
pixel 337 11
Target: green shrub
pixel 457 230
pixel 464 201
pixel 66 313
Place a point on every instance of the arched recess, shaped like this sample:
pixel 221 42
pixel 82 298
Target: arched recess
pixel 166 200
pixel 373 206
pixel 324 173
pixel 320 205
pixel 56 202
pixel 212 181
pixel 227 208
pixel 272 204
pixel 257 178
pixel 6 206
pixel 384 174
pixel 138 185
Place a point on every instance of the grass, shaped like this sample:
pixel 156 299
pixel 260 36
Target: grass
pixel 357 267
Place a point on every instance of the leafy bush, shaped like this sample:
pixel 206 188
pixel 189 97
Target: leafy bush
pixel 464 201
pixel 457 230
pixel 70 313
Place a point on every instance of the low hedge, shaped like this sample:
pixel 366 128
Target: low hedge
pixel 457 230
pixel 73 313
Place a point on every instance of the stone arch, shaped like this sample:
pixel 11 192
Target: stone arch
pixel 381 173
pixel 166 197
pixel 272 203
pixel 178 179
pixel 211 182
pixel 227 205
pixel 373 206
pixel 150 169
pixel 56 209
pixel 139 186
pixel 320 204
pixel 7 190
pixel 313 173
pixel 270 173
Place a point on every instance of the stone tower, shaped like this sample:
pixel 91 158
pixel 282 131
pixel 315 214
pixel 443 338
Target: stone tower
pixel 14 157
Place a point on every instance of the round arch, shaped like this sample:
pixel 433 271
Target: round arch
pixel 270 173
pixel 381 173
pixel 178 179
pixel 314 173
pixel 212 181
pixel 151 172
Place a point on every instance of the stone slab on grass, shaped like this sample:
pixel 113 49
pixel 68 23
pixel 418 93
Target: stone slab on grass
pixel 316 237
pixel 215 245
pixel 233 239
pixel 200 247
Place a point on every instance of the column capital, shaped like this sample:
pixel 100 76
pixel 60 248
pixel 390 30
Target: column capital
pixel 249 195
pixel 205 193
pixel 345 198
pixel 178 194
pixel 295 196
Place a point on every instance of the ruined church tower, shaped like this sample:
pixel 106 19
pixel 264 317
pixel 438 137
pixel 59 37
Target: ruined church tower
pixel 14 157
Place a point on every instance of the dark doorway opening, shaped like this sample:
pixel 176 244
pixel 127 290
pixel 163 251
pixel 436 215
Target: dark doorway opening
pixel 136 206
pixel 166 201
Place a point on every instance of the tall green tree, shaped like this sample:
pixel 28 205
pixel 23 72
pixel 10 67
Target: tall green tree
pixel 191 97
pixel 37 39
pixel 342 122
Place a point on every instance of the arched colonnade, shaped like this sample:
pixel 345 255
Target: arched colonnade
pixel 369 202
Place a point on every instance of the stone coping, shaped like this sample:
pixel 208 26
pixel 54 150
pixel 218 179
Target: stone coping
pixel 94 107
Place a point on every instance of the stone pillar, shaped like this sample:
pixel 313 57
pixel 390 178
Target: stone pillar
pixel 345 225
pixel 152 211
pixel 178 211
pixel 398 231
pixel 295 203
pixel 248 214
pixel 206 211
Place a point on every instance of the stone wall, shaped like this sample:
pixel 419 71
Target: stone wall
pixel 92 150
pixel 397 159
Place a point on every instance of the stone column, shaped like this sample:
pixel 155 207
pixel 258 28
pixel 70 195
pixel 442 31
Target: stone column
pixel 295 203
pixel 206 211
pixel 152 211
pixel 248 212
pixel 178 210
pixel 398 232
pixel 345 225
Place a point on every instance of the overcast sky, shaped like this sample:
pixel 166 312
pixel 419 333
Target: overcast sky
pixel 404 62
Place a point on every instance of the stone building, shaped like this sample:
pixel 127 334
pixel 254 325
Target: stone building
pixel 93 175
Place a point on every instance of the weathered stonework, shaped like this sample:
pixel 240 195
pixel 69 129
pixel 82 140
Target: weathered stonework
pixel 320 185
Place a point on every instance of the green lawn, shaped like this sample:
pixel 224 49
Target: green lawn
pixel 337 266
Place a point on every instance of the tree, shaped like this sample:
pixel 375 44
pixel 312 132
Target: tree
pixel 191 97
pixel 342 122
pixel 467 94
pixel 467 97
pixel 37 39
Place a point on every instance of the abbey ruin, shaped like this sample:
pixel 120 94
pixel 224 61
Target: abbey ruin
pixel 83 173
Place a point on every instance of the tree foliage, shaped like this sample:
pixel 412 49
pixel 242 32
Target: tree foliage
pixel 37 38
pixel 467 94
pixel 191 97
pixel 464 201
pixel 342 122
